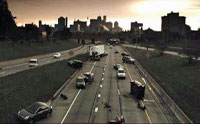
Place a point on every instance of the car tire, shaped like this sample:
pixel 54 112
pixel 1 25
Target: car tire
pixel 31 121
pixel 48 115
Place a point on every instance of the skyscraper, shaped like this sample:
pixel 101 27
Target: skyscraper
pixel 61 23
pixel 40 23
pixel 174 23
pixel 66 22
pixel 104 19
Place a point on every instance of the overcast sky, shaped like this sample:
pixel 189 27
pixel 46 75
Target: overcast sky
pixel 148 12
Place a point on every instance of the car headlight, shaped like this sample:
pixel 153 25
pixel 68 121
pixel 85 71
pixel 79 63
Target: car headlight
pixel 26 118
pixel 18 112
pixel 51 107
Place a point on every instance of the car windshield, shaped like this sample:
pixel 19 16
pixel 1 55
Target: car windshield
pixel 31 61
pixel 120 71
pixel 80 80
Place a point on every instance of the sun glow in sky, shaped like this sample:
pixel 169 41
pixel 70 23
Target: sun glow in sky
pixel 148 12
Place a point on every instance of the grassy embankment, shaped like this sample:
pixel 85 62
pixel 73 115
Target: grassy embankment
pixel 173 74
pixel 38 84
pixel 7 52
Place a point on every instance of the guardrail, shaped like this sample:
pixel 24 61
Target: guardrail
pixel 163 98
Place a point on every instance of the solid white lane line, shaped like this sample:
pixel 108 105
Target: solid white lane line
pixel 144 80
pixel 145 100
pixel 99 95
pixel 70 107
pixel 149 88
pixel 92 67
pixel 96 109
pixel 118 92
pixel 15 66
pixel 2 72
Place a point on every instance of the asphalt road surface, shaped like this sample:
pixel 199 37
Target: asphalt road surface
pixel 18 67
pixel 88 105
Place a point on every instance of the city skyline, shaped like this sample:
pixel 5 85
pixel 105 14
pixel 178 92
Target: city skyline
pixel 123 11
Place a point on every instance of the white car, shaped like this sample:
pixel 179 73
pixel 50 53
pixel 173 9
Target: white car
pixel 57 55
pixel 121 73
pixel 33 62
pixel 131 60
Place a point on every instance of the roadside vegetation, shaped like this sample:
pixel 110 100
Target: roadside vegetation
pixel 8 52
pixel 38 84
pixel 174 74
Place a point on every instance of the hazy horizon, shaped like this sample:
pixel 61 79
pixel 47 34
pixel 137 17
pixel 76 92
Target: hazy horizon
pixel 148 12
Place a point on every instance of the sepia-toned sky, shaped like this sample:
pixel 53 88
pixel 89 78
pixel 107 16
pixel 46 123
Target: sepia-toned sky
pixel 148 12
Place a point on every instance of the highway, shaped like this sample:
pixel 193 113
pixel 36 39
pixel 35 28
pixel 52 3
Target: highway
pixel 88 105
pixel 22 64
pixel 153 49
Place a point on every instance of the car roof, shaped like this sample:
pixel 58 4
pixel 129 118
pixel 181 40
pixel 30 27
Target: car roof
pixel 137 83
pixel 33 60
pixel 87 73
pixel 80 77
pixel 35 106
pixel 120 69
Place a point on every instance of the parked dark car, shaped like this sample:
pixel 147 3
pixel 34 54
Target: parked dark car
pixel 116 51
pixel 75 63
pixel 35 112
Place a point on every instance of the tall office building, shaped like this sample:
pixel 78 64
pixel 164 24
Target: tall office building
pixel 136 28
pixel 116 27
pixel 40 23
pixel 61 23
pixel 173 23
pixel 104 19
pixel 66 22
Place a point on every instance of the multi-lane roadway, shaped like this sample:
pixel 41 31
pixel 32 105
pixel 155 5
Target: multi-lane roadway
pixel 88 105
pixel 11 67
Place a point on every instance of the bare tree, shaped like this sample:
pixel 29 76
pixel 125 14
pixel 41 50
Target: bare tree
pixel 191 51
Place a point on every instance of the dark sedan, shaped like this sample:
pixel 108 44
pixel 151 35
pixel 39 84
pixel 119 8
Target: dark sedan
pixel 125 54
pixel 75 63
pixel 35 112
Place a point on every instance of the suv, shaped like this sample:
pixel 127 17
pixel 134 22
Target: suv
pixel 121 73
pixel 80 82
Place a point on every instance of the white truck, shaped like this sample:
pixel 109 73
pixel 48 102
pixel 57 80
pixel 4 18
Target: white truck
pixel 96 51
